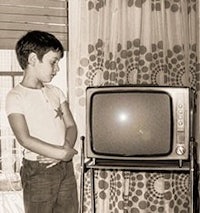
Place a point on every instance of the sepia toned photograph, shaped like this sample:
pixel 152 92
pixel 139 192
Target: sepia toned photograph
pixel 99 106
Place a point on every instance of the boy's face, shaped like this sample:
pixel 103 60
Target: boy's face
pixel 48 67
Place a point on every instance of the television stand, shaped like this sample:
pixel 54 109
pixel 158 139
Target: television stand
pixel 138 165
pixel 189 166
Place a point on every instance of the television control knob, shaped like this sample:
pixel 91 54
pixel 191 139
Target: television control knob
pixel 180 150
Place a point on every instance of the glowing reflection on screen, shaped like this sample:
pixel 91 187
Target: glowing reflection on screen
pixel 122 117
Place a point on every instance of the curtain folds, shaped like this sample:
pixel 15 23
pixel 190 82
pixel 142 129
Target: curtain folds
pixel 117 42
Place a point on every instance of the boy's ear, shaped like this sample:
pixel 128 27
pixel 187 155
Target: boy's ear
pixel 32 58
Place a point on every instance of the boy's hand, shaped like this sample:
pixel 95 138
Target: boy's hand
pixel 70 152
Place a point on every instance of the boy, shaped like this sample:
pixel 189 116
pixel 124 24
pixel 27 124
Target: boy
pixel 43 124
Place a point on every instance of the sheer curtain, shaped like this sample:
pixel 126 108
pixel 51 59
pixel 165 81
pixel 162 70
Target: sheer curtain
pixel 115 42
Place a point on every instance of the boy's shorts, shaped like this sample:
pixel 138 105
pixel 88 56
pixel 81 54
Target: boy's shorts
pixel 49 190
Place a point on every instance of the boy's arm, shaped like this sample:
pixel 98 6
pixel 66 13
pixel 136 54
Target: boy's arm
pixel 71 128
pixel 20 129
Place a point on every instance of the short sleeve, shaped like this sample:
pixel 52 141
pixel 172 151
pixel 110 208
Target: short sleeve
pixel 61 95
pixel 13 104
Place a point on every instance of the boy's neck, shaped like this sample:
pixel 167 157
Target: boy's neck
pixel 31 84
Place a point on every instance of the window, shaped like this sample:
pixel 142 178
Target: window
pixel 10 150
pixel 16 18
pixel 19 16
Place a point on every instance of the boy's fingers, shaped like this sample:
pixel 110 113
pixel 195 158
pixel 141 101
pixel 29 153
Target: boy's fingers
pixel 75 151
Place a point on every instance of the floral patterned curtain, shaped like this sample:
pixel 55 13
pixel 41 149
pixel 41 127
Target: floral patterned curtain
pixel 116 42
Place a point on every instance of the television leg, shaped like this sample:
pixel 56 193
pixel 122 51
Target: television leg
pixel 192 207
pixel 82 180
pixel 93 208
pixel 194 177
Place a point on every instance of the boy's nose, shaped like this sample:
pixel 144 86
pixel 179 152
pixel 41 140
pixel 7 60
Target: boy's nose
pixel 56 68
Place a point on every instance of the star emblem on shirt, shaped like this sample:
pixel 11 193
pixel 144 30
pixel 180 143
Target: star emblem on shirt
pixel 59 112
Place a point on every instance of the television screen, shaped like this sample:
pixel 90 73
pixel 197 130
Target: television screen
pixel 133 123
pixel 138 122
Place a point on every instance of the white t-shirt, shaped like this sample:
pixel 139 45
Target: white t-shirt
pixel 41 108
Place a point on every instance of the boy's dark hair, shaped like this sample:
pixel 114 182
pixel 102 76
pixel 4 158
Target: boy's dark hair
pixel 40 43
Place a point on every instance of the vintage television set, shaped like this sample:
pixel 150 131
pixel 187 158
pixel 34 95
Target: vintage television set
pixel 138 123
